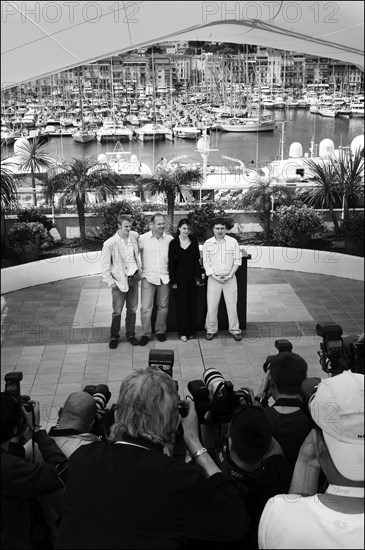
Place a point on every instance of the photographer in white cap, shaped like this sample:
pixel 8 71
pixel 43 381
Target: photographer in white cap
pixel 335 518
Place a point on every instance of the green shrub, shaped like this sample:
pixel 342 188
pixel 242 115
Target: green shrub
pixel 353 228
pixel 110 212
pixel 27 235
pixel 294 221
pixel 34 214
pixel 201 219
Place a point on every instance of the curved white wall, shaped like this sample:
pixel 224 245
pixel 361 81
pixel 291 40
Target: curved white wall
pixel 268 257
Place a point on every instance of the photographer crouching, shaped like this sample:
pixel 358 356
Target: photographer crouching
pixel 284 375
pixel 239 437
pixel 148 498
pixel 22 481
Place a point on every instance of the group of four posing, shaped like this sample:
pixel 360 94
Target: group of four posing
pixel 162 262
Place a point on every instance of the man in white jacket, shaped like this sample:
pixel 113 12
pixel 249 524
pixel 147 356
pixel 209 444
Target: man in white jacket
pixel 120 267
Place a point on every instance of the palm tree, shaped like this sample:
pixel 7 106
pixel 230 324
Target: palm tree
pixel 327 191
pixel 167 181
pixel 76 180
pixel 349 170
pixel 9 190
pixel 9 195
pixel 260 196
pixel 31 156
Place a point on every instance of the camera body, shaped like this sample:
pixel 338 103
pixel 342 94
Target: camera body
pixel 281 345
pixel 12 387
pixel 217 396
pixel 163 359
pixel 337 353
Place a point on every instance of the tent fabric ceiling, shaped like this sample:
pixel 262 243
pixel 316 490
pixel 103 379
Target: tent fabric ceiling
pixel 43 38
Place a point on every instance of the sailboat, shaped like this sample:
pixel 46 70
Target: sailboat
pixel 111 129
pixel 83 135
pixel 256 123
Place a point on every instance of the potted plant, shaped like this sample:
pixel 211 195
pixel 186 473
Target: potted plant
pixel 295 225
pixel 26 239
pixel 352 231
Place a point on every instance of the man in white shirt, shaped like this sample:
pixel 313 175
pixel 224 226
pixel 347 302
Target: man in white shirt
pixel 334 519
pixel 120 267
pixel 221 259
pixel 154 249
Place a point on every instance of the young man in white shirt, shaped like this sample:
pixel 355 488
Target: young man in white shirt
pixel 154 249
pixel 307 518
pixel 121 271
pixel 221 259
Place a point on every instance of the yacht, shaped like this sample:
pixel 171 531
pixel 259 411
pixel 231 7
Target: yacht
pixel 292 103
pixel 8 136
pixel 250 124
pixel 268 103
pixel 111 131
pixel 83 136
pixel 186 132
pixel 279 102
pixel 29 119
pixel 157 132
pixel 357 108
pixel 327 111
pixel 302 103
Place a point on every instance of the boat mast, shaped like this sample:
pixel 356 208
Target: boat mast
pixel 282 140
pixel 112 91
pixel 154 108
pixel 81 108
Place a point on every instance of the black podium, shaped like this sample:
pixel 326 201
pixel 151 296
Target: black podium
pixel 241 275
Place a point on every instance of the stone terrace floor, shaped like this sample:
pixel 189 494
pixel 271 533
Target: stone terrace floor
pixel 57 334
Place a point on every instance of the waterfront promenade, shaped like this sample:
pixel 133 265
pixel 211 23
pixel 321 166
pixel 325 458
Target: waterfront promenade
pixel 57 334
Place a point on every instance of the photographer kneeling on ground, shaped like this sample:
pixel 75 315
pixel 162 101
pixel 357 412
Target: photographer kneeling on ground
pixel 23 481
pixel 282 381
pixel 148 499
pixel 334 519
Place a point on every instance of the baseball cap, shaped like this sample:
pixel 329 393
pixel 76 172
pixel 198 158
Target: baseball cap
pixel 337 408
pixel 251 432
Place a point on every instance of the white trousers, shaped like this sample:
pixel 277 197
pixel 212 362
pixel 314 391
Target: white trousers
pixel 214 292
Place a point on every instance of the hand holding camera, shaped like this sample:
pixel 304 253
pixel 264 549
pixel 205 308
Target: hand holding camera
pixel 32 417
pixel 190 426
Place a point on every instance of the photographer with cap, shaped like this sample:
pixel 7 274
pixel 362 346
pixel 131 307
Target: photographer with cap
pixel 22 481
pixel 251 455
pixel 282 381
pixel 148 499
pixel 334 519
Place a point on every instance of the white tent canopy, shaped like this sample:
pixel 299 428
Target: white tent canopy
pixel 42 38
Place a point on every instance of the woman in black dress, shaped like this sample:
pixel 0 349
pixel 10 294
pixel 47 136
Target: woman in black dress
pixel 185 276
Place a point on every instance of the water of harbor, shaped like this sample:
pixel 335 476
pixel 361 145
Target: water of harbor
pixel 260 147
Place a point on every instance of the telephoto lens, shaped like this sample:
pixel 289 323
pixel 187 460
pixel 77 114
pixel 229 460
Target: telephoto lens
pixel 101 396
pixel 214 381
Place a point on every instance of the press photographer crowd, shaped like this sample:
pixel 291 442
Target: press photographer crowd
pixel 220 468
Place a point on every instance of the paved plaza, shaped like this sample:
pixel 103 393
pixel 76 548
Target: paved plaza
pixel 57 334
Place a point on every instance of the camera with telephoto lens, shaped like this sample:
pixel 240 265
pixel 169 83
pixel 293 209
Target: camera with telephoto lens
pixel 216 395
pixel 337 353
pixel 163 359
pixel 12 387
